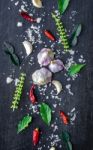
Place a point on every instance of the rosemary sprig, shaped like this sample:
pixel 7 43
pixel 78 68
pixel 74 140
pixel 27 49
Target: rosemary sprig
pixel 61 31
pixel 18 91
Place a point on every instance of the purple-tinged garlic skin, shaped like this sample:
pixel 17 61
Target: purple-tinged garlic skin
pixel 56 66
pixel 45 56
pixel 42 76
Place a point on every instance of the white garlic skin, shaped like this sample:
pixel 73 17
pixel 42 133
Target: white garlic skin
pixel 28 47
pixel 56 66
pixel 42 76
pixel 37 3
pixel 52 148
pixel 45 56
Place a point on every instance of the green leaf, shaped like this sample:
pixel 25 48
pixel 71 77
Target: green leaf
pixel 69 145
pixel 24 123
pixel 75 68
pixel 66 140
pixel 10 51
pixel 65 136
pixel 9 47
pixel 74 37
pixel 15 59
pixel 45 113
pixel 62 5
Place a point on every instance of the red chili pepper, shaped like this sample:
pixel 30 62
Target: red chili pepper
pixel 49 35
pixel 64 117
pixel 27 17
pixel 36 134
pixel 32 95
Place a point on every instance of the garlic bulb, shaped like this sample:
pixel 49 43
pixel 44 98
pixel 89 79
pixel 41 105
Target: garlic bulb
pixel 28 47
pixel 45 56
pixel 37 3
pixel 41 76
pixel 58 86
pixel 56 66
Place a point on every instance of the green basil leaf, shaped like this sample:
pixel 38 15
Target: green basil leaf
pixel 10 51
pixel 69 145
pixel 75 68
pixel 45 112
pixel 74 37
pixel 24 123
pixel 9 47
pixel 78 29
pixel 65 136
pixel 62 5
pixel 15 59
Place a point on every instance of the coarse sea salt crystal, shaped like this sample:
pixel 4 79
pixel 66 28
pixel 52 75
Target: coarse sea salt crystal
pixel 72 115
pixel 72 52
pixel 9 80
pixel 34 108
pixel 16 3
pixel 38 20
pixel 16 81
pixel 22 8
pixel 68 86
pixel 19 24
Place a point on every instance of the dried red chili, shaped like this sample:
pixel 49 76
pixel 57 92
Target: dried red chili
pixel 64 117
pixel 32 95
pixel 36 134
pixel 49 35
pixel 27 17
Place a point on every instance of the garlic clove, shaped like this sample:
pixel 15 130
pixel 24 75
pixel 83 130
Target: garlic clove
pixel 37 3
pixel 41 76
pixel 45 56
pixel 58 86
pixel 28 47
pixel 56 66
pixel 52 148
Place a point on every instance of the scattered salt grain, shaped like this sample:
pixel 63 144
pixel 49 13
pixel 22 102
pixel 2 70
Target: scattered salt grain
pixel 16 81
pixel 68 86
pixel 54 139
pixel 34 34
pixel 69 62
pixel 54 105
pixel 73 110
pixel 72 115
pixel 38 20
pixel 22 8
pixel 19 24
pixel 34 108
pixel 16 3
pixel 72 52
pixel 9 80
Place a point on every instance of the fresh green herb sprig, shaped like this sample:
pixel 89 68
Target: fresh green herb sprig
pixel 61 31
pixel 18 92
